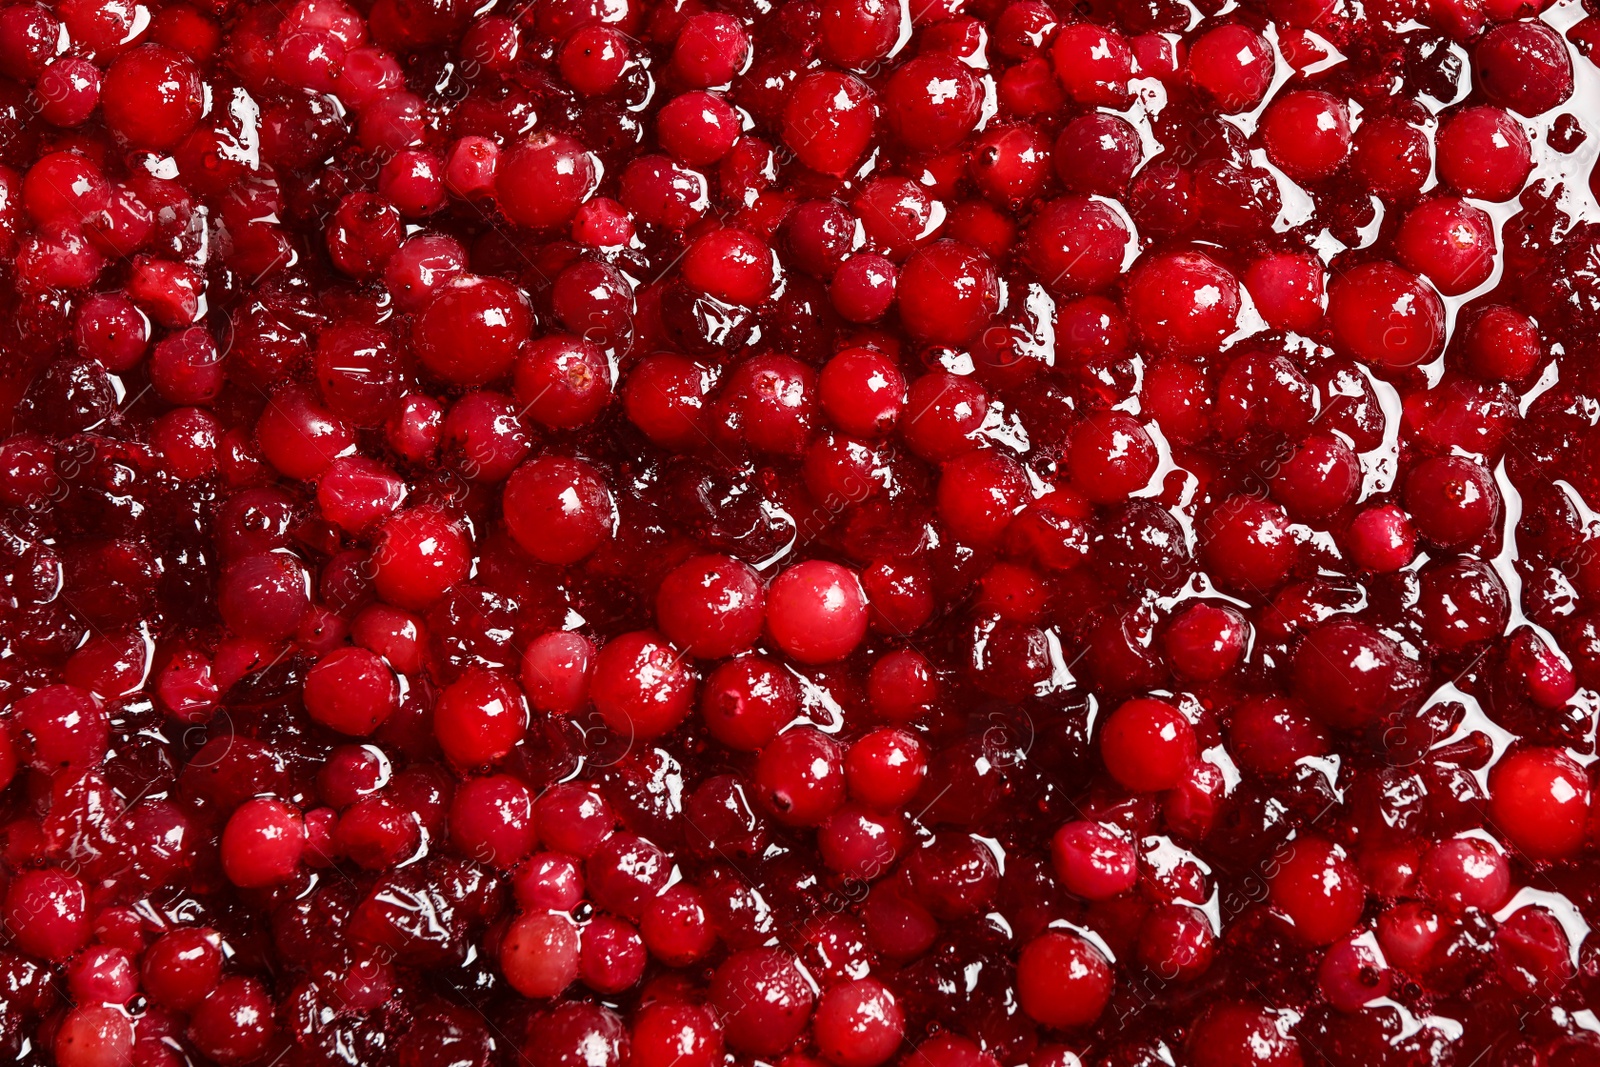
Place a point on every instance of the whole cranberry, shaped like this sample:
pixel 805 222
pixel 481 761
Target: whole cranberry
pixel 1093 860
pixel 1537 798
pixel 152 97
pixel 1235 1032
pixel 816 611
pixel 1063 981
pixel 1349 674
pixel 262 843
pixel 352 691
pixel 1287 289
pixel 1147 745
pixel 1318 889
pixel 556 671
pixel 1306 134
pixel 1523 66
pixel 1093 65
pixel 800 777
pixel 671 1031
pixel 764 1000
pixel 1076 245
pixel 472 329
pixel 828 120
pixel 479 718
pixel 559 510
pixel 539 953
pixel 858 1024
pixel 540 182
pixel 1385 316
pixel 1390 156
pixel 1182 303
pixel 1096 154
pixel 1449 241
pixel 1483 153
pixel 1233 65
pixel 641 687
pixel 947 293
pixel 45 913
pixel 932 102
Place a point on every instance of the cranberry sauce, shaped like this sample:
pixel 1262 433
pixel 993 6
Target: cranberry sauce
pixel 809 533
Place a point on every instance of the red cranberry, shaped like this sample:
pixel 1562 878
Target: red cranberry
pixel 1093 860
pixel 800 777
pixel 1097 154
pixel 1523 66
pixel 1382 315
pixel 670 1031
pixel 1093 65
pixel 479 718
pixel 1076 245
pixel 539 953
pixel 1306 134
pixel 1452 500
pixel 1390 156
pixel 1484 153
pixel 1206 642
pixel 1176 943
pixel 1182 303
pixel 1147 745
pixel 559 510
pixel 1112 457
pixel 827 121
pixel 469 334
pixel 1381 539
pixel 947 293
pixel 746 702
pixel 885 768
pixel 1287 288
pixel 1352 974
pixel 1063 981
pixel 540 183
pixel 1233 65
pixel 816 611
pixel 1237 1033
pixel 234 1024
pixel 1450 241
pixel 764 1000
pixel 641 687
pixel 351 691
pixel 1318 890
pixel 152 97
pixel 491 820
pixel 64 728
pixel 419 555
pixel 1537 798
pixel 1348 674
pixel 45 912
pixel 262 843
pixel 858 1024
